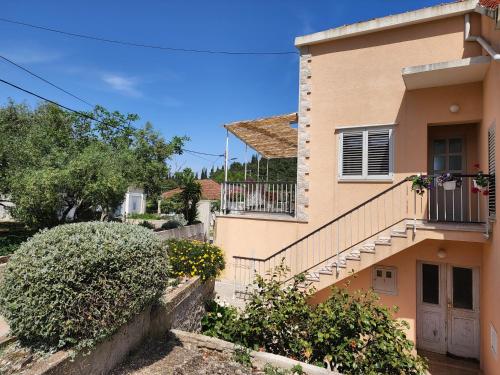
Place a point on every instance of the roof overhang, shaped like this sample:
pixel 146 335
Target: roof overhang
pixel 272 137
pixel 389 22
pixel 446 73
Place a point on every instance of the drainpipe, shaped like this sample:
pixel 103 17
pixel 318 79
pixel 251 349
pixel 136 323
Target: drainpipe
pixel 494 55
pixel 473 38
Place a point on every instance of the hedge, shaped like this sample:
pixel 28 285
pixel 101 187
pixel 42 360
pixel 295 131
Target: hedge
pixel 76 284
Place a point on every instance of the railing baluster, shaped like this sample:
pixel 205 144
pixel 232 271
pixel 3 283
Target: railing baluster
pixel 478 208
pixel 437 199
pixel 453 203
pixel 445 205
pixel 462 202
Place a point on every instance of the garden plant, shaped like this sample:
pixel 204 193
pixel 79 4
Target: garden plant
pixel 190 258
pixel 350 331
pixel 76 284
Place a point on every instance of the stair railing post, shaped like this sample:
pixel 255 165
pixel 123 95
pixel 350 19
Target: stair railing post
pixel 414 213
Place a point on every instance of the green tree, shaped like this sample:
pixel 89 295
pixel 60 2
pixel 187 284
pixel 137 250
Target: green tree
pixel 190 194
pixel 55 163
pixel 280 170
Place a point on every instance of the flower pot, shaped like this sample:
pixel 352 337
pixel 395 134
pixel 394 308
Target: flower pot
pixel 450 185
pixel 479 187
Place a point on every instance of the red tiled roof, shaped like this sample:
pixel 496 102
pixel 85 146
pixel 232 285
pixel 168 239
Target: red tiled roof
pixel 492 4
pixel 210 190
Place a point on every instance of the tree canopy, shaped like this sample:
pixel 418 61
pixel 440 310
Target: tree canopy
pixel 280 170
pixel 54 163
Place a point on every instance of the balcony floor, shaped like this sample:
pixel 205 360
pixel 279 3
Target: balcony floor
pixel 261 216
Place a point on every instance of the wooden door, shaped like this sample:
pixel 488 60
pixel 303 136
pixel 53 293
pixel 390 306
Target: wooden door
pixel 431 307
pixel 463 311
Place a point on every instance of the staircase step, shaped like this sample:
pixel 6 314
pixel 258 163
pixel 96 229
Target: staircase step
pixel 399 232
pixel 400 235
pixel 313 279
pixel 383 242
pixel 312 276
pixel 353 257
pixel 341 264
pixel 325 271
pixel 306 284
pixel 368 250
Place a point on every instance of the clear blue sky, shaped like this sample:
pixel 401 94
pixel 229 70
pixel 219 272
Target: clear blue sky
pixel 180 93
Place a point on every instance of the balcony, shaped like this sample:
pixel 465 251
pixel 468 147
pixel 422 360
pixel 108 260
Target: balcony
pixel 259 197
pixel 257 193
pixel 465 203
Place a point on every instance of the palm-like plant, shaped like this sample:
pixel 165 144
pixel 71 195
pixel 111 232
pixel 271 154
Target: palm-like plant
pixel 190 195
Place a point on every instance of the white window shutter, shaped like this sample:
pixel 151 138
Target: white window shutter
pixel 352 153
pixel 379 149
pixel 491 171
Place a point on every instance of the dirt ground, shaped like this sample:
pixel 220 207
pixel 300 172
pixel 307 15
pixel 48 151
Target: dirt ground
pixel 168 357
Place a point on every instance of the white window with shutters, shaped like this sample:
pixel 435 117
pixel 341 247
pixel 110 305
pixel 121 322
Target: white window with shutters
pixel 366 153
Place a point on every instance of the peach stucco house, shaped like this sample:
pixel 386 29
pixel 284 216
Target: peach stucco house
pixel 380 101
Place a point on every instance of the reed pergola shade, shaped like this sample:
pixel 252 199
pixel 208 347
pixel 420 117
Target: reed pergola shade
pixel 272 137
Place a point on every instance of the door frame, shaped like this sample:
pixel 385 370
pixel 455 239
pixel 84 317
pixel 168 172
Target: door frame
pixel 475 307
pixel 445 304
pixel 441 346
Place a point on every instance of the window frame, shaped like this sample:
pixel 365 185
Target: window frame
pixel 364 174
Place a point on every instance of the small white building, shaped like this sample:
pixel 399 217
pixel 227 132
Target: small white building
pixel 134 203
pixel 5 204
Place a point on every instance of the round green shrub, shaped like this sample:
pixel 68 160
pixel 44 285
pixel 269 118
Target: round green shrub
pixel 171 224
pixel 74 285
pixel 195 258
pixel 146 224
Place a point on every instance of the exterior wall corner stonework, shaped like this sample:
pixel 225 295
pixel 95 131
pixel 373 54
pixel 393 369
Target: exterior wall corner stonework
pixel 304 123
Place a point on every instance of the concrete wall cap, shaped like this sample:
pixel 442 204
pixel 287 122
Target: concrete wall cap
pixel 389 22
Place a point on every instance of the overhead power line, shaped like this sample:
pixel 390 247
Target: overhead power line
pixel 83 114
pixel 144 45
pixel 86 115
pixel 45 80
pixel 203 153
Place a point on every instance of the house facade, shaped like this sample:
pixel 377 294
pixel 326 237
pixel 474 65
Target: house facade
pixel 381 101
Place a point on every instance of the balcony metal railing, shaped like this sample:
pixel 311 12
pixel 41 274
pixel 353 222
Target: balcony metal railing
pixel 464 204
pixel 265 197
pixel 395 206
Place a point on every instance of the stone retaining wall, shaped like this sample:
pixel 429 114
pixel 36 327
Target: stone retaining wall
pixel 259 359
pixel 191 232
pixel 182 307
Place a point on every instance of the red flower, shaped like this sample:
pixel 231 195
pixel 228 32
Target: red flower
pixel 475 190
pixel 486 192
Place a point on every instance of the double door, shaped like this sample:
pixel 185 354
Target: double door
pixel 448 309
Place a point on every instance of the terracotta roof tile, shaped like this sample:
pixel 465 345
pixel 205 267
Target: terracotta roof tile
pixel 492 4
pixel 210 190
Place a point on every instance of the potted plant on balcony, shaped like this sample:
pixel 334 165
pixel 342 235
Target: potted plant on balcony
pixel 449 181
pixel 480 182
pixel 420 183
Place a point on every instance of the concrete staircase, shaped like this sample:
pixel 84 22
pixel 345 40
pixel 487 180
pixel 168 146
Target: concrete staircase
pixel 390 242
